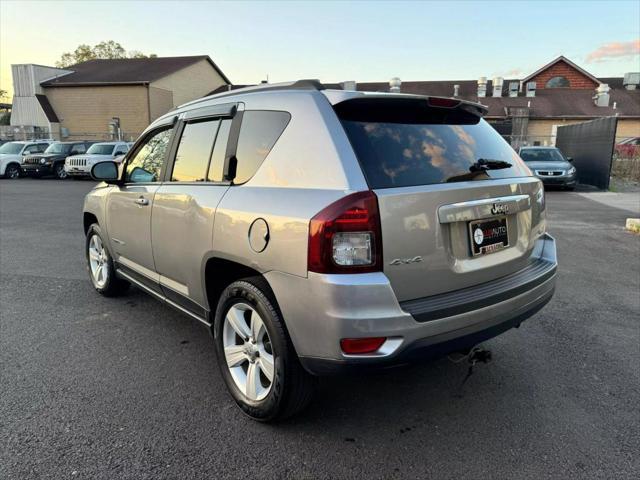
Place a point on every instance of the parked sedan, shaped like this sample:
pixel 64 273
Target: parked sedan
pixel 51 162
pixel 78 166
pixel 550 166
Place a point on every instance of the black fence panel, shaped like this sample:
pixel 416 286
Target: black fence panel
pixel 591 145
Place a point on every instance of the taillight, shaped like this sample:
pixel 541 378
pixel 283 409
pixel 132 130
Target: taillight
pixel 359 346
pixel 345 237
pixel 443 102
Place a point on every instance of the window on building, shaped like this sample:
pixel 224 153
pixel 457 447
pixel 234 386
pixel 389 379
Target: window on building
pixel 558 82
pixel 194 151
pixel 258 135
pixel 146 164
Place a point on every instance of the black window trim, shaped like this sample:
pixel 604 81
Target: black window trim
pixel 140 143
pixel 217 112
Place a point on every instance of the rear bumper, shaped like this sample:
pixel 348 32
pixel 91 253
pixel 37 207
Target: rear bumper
pixel 322 309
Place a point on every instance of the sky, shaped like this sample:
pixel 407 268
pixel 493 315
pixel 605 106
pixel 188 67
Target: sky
pixel 336 41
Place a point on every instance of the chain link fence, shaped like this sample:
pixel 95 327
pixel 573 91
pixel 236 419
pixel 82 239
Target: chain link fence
pixel 16 133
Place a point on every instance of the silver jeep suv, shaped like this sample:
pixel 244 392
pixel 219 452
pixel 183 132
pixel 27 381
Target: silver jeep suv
pixel 320 231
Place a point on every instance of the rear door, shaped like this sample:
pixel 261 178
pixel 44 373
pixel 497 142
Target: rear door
pixel 129 206
pixel 447 222
pixel 185 205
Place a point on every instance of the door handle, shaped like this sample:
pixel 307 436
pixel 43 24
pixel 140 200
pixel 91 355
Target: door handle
pixel 142 201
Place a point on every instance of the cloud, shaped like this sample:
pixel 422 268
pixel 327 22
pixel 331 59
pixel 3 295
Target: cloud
pixel 514 72
pixel 613 50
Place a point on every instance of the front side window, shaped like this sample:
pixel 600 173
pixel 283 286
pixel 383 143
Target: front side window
pixel 558 82
pixel 258 134
pixel 146 164
pixel 194 151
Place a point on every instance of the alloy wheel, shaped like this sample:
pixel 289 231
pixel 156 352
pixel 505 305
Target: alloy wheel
pixel 13 172
pixel 98 261
pixel 61 173
pixel 248 351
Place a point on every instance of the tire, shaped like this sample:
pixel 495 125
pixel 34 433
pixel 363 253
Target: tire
pixel 60 172
pixel 12 171
pixel 291 388
pixel 107 284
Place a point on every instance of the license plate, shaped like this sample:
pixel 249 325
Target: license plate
pixel 488 236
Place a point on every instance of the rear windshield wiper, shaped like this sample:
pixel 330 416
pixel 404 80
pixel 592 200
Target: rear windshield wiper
pixel 483 164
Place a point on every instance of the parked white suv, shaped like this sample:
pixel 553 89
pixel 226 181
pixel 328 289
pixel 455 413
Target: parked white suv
pixel 80 165
pixel 12 154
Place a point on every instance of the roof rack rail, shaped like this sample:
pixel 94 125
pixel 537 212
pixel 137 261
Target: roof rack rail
pixel 304 84
pixel 308 84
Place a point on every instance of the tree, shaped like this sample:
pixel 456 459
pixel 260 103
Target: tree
pixel 102 50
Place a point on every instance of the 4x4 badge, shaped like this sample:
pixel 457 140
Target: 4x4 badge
pixel 404 261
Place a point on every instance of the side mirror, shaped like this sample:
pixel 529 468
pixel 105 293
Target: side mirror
pixel 105 172
pixel 569 159
pixel 74 152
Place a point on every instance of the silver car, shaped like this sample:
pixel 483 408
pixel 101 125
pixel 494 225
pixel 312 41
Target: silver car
pixel 322 231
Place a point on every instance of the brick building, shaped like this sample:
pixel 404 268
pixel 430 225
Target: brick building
pixel 529 110
pixel 82 101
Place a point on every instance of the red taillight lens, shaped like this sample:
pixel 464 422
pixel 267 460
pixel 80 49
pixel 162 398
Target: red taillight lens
pixel 443 102
pixel 345 237
pixel 359 346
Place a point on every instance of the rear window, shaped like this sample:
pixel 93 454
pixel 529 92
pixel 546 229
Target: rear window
pixel 407 143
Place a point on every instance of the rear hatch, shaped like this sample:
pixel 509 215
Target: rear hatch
pixel 458 207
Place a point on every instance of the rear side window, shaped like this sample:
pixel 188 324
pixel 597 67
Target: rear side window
pixel 258 134
pixel 79 148
pixel 194 151
pixel 219 151
pixel 408 143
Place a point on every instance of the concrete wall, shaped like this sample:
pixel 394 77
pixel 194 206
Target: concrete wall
pixel 191 82
pixel 544 128
pixel 27 111
pixel 86 111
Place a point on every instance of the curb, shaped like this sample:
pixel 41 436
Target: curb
pixel 633 225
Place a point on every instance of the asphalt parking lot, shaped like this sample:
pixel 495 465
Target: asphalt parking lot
pixel 128 388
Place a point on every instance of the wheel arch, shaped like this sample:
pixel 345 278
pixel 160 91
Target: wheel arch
pixel 88 219
pixel 218 273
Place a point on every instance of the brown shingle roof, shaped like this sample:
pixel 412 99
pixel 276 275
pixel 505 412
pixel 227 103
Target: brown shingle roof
pixel 126 71
pixel 548 102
